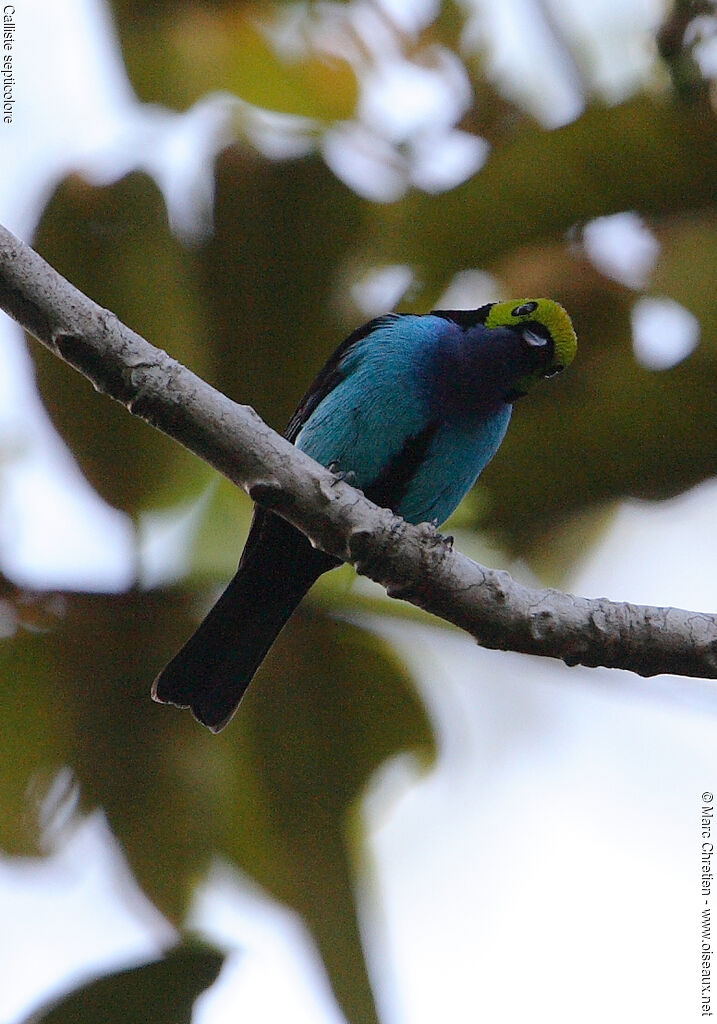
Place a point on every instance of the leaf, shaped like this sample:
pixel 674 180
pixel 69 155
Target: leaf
pixel 609 428
pixel 224 518
pixel 276 792
pixel 80 698
pixel 645 154
pixel 114 244
pixel 162 992
pixel 332 707
pixel 243 311
pixel 183 51
pixel 268 274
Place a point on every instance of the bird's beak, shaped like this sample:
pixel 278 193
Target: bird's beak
pixel 534 340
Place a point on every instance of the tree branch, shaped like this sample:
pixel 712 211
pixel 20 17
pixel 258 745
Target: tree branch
pixel 411 562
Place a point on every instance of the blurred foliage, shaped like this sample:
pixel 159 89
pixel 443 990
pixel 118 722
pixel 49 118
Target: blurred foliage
pixel 200 47
pixel 256 308
pixel 164 990
pixel 129 263
pixel 276 794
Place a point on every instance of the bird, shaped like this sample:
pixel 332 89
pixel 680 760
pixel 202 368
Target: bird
pixel 411 408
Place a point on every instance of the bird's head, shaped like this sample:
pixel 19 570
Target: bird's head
pixel 546 334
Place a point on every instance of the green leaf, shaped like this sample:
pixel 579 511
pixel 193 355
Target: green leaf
pixel 276 793
pixel 114 244
pixel 182 51
pixel 644 154
pixel 329 709
pixel 609 428
pixel 162 992
pixel 224 518
pixel 269 275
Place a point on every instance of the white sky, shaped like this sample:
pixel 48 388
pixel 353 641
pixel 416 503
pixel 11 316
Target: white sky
pixel 549 866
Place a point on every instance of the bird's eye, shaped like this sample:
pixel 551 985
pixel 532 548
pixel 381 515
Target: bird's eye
pixel 527 307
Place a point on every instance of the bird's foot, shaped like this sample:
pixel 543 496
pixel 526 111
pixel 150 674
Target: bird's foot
pixel 436 536
pixel 348 477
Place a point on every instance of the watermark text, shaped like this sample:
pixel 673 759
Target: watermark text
pixel 707 849
pixel 7 69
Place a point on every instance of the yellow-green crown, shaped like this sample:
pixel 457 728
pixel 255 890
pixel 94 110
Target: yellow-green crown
pixel 542 311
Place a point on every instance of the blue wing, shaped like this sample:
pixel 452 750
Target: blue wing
pixel 375 410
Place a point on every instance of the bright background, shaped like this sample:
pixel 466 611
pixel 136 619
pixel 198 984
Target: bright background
pixel 547 865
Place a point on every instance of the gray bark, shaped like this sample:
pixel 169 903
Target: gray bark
pixel 413 563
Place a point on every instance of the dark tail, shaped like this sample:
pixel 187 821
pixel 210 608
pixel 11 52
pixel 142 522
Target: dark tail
pixel 211 673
